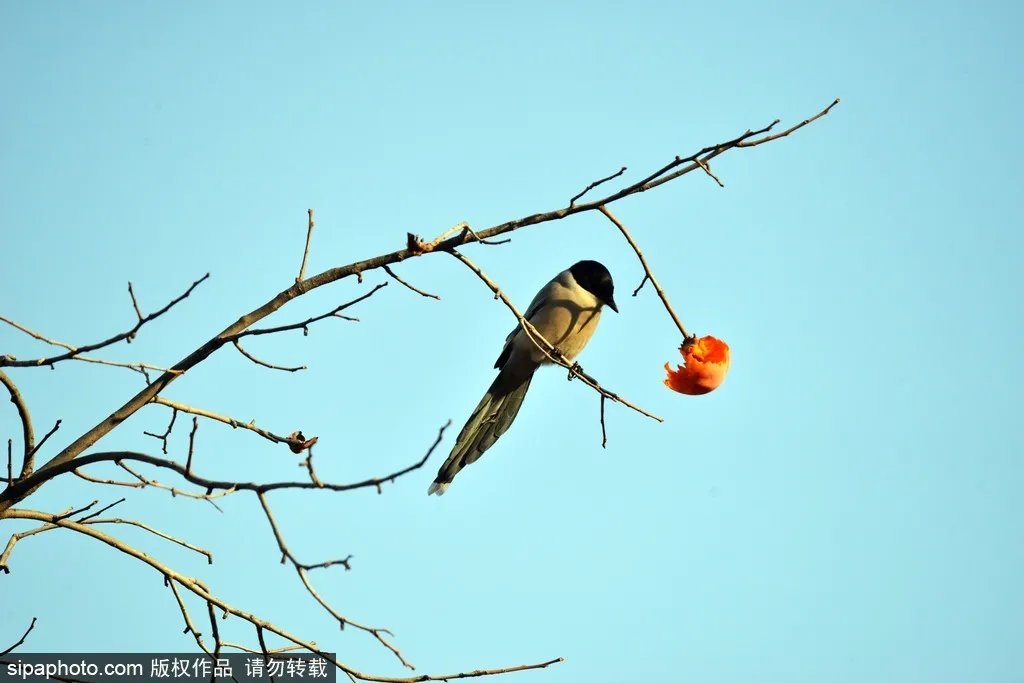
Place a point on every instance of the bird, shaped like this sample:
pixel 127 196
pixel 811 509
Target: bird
pixel 565 312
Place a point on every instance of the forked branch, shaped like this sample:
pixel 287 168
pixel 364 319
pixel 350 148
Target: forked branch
pixel 74 351
pixel 677 167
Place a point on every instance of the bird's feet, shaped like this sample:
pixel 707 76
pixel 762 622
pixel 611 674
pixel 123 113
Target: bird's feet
pixel 574 371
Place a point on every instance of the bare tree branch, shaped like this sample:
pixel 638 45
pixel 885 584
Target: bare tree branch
pixel 109 482
pixel 209 484
pixel 604 430
pixel 71 512
pixel 253 651
pixel 27 433
pixel 84 520
pixel 135 305
pixel 481 240
pixel 20 640
pixel 175 492
pixel 167 432
pixel 305 252
pixel 387 269
pixel 791 129
pixel 35 335
pixel 42 442
pixel 301 569
pixel 308 464
pixel 416 246
pixel 225 419
pixel 707 169
pixel 190 627
pixel 304 325
pixel 140 368
pixel 216 631
pixel 591 186
pixel 174 579
pixel 191 443
pixel 647 271
pixel 74 351
pixel 257 361
pixel 142 482
pixel 155 532
pixel 13 540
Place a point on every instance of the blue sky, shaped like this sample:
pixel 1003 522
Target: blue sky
pixel 845 508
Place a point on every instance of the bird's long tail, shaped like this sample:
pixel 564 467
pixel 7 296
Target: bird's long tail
pixel 492 416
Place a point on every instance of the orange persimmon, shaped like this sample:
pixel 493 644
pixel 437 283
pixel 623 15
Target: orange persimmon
pixel 705 362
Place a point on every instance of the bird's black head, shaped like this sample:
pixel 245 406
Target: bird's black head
pixel 595 278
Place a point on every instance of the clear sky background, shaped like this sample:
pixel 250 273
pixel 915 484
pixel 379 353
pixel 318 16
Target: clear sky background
pixel 847 507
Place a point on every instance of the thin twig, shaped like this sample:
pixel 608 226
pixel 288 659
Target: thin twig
pixel 35 449
pixel 91 519
pixel 308 464
pixel 35 335
pixel 212 484
pixel 304 325
pixel 672 170
pixel 175 492
pixel 28 436
pixel 232 422
pixel 216 631
pixel 109 482
pixel 83 520
pixel 286 553
pixel 71 512
pixel 387 269
pixel 267 653
pixel 20 640
pixel 135 305
pixel 477 238
pixel 647 269
pixel 305 252
pixel 263 644
pixel 75 351
pixel 776 136
pixel 140 368
pixel 167 432
pixel 604 431
pixel 155 532
pixel 13 540
pixel 641 285
pixel 257 361
pixel 591 186
pixel 191 443
pixel 707 169
pixel 189 626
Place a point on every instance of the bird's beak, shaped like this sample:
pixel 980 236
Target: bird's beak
pixel 611 304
